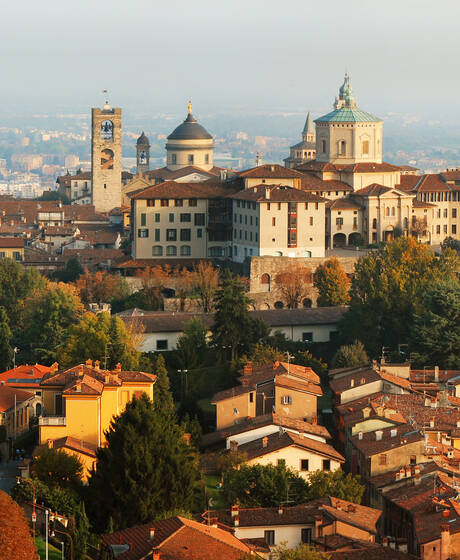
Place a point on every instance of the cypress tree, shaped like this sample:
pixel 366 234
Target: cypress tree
pixel 81 533
pixel 6 350
pixel 163 398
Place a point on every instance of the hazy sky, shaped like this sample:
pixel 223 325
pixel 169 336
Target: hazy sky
pixel 234 55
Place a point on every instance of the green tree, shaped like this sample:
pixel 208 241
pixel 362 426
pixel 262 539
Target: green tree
pixel 81 533
pixel 163 399
pixel 435 336
pixel 332 284
pixel 6 350
pixel 233 326
pixel 192 347
pixel 61 500
pixel 264 354
pixel 336 484
pixel 301 552
pixel 387 291
pixel 351 355
pixel 263 486
pixel 53 466
pixel 147 468
pixel 451 243
pixel 98 336
pixel 72 271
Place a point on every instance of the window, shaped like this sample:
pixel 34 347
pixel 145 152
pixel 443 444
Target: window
pixel 387 211
pixel 206 158
pixel 365 147
pixel 142 233
pixel 382 459
pixel 157 234
pixel 269 537
pixel 200 219
pixel 151 202
pixel 307 337
pixel 273 221
pixel 393 211
pixel 454 229
pixel 157 251
pixel 323 146
pixel 162 344
pixel 171 250
pixel 251 397
pixel 413 459
pixel 304 464
pixel 342 147
pixel 185 251
pixel 445 213
pixel 185 234
pixel 157 217
pixel 173 159
pixel 171 235
pixel 454 212
pixel 178 202
pixel 305 535
pixel 191 159
pixel 164 202
pixel 326 464
pixel 192 202
pixel 444 228
pixel 17 255
pixel 438 229
pixel 199 233
pixel 171 218
pixel 185 217
pixel 143 219
pixel 286 399
pixel 311 220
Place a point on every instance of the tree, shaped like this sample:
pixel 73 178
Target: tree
pixel 47 315
pixel 184 285
pixel 162 399
pixel 435 335
pixel 451 243
pixel 191 348
pixel 145 469
pixel 263 486
pixel 294 283
pixel 54 466
pixel 233 326
pixel 419 227
pixel 100 337
pixel 205 280
pixel 101 287
pixel 6 350
pixel 387 291
pixel 15 540
pixel 336 484
pixel 264 354
pixel 81 533
pixel 62 500
pixel 332 284
pixel 351 355
pixel 301 552
pixel 72 271
pixel 154 281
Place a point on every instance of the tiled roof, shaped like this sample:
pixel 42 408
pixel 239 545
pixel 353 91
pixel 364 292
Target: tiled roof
pixel 432 183
pixel 298 385
pixel 388 478
pixel 10 395
pixel 24 376
pixel 177 538
pixel 169 175
pixel 348 114
pixel 173 190
pixel 277 193
pixel 68 442
pixel 420 204
pixel 343 204
pixel 270 171
pixel 359 376
pixel 369 444
pixel 373 190
pixel 369 167
pixel 453 175
pixel 83 213
pixel 428 375
pixel 365 550
pixel 255 448
pixel 407 183
pixel 364 517
pixel 231 393
pixel 11 242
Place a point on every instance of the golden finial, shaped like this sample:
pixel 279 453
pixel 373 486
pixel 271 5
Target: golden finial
pixel 189 107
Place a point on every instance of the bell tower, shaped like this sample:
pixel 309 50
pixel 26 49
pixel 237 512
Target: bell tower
pixel 106 158
pixel 143 154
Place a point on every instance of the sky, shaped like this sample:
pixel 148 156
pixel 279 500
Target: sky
pixel 233 56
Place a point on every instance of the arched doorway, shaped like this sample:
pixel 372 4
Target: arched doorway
pixel 265 282
pixel 339 240
pixel 307 303
pixel 355 239
pixel 388 235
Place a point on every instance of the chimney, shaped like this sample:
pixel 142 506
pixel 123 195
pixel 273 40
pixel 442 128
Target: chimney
pixel 80 371
pixel 445 542
pixel 118 367
pixel 272 168
pixel 152 533
pixel 235 510
pixel 267 193
pixel 264 441
pixel 280 510
pixel 233 446
pixel 402 472
pixel 106 378
pixel 314 420
pixel 187 438
pixel 50 444
pixel 416 470
pixel 408 472
pixel 97 365
pixel 54 367
pixel 397 476
pixel 247 369
pixel 431 422
pixel 78 386
pixel 156 554
pixel 436 373
pixel 352 382
pixel 89 362
pixel 360 435
pixel 236 521
pixel 378 435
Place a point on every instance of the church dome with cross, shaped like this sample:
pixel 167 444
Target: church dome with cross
pixel 190 144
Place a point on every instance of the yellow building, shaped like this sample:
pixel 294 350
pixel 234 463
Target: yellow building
pixel 79 403
pixel 12 248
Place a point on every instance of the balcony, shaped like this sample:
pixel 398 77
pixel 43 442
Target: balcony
pixel 51 421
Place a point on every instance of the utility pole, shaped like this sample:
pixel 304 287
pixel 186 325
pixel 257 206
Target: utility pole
pixel 46 533
pixel 289 356
pixel 15 351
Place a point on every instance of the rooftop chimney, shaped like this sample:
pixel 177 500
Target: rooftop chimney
pixel 235 510
pixel 314 420
pixel 280 510
pixel 236 520
pixel 54 367
pixel 431 422
pixel 264 441
pixel 152 533
pixel 378 435
pixel 118 367
pixel 352 382
pixel 233 446
pixel 436 373
pixel 156 554
pixel 97 365
pixel 267 193
pixel 445 552
pixel 247 369
pixel 272 168
pixel 187 438
pixel 89 362
pixel 360 435
pixel 50 444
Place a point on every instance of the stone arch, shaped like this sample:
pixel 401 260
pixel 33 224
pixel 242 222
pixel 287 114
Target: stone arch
pixel 279 305
pixel 339 240
pixel 265 305
pixel 307 303
pixel 355 238
pixel 265 281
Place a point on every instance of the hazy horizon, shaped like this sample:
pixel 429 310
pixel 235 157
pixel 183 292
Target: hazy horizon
pixel 249 57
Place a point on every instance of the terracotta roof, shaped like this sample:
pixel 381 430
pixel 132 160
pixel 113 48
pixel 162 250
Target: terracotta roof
pixel 453 175
pixel 363 517
pixel 407 183
pixel 173 190
pixel 8 394
pixel 11 242
pixel 169 175
pixel 357 377
pixel 270 171
pixel 231 393
pixel 298 385
pixel 311 316
pixel 343 204
pixel 389 478
pixel 428 375
pixel 373 190
pixel 68 442
pixel 59 230
pixel 255 448
pixel 179 539
pixel 370 167
pixel 278 193
pixel 359 550
pixel 420 204
pixel 89 257
pixel 369 444
pixel 432 183
pixel 84 213
pixel 24 376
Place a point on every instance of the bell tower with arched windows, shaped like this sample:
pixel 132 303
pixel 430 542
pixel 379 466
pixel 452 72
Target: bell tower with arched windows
pixel 106 158
pixel 143 153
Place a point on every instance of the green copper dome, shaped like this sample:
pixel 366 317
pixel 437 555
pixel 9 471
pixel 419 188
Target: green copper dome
pixel 349 115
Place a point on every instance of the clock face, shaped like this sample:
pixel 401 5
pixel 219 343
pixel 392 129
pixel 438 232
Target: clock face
pixel 142 157
pixel 107 130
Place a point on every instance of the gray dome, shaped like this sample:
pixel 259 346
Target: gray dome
pixel 143 140
pixel 190 130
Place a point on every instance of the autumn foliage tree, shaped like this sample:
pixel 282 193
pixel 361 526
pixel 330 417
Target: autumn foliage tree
pixel 101 287
pixel 15 539
pixel 332 284
pixel 294 283
pixel 205 280
pixel 154 280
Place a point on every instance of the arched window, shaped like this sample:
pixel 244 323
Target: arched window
pixel 323 146
pixel 265 281
pixel 365 147
pixel 107 130
pixel 107 159
pixel 374 223
pixel 279 305
pixel 171 250
pixel 157 251
pixel 307 303
pixel 393 211
pixel 387 211
pixel 342 147
pixel 143 157
pixel 185 251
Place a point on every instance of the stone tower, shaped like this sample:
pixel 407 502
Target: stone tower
pixel 143 154
pixel 106 158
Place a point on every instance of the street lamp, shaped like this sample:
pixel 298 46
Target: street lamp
pixel 15 351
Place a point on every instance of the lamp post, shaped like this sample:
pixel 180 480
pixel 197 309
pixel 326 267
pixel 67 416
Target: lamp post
pixel 46 533
pixel 15 351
